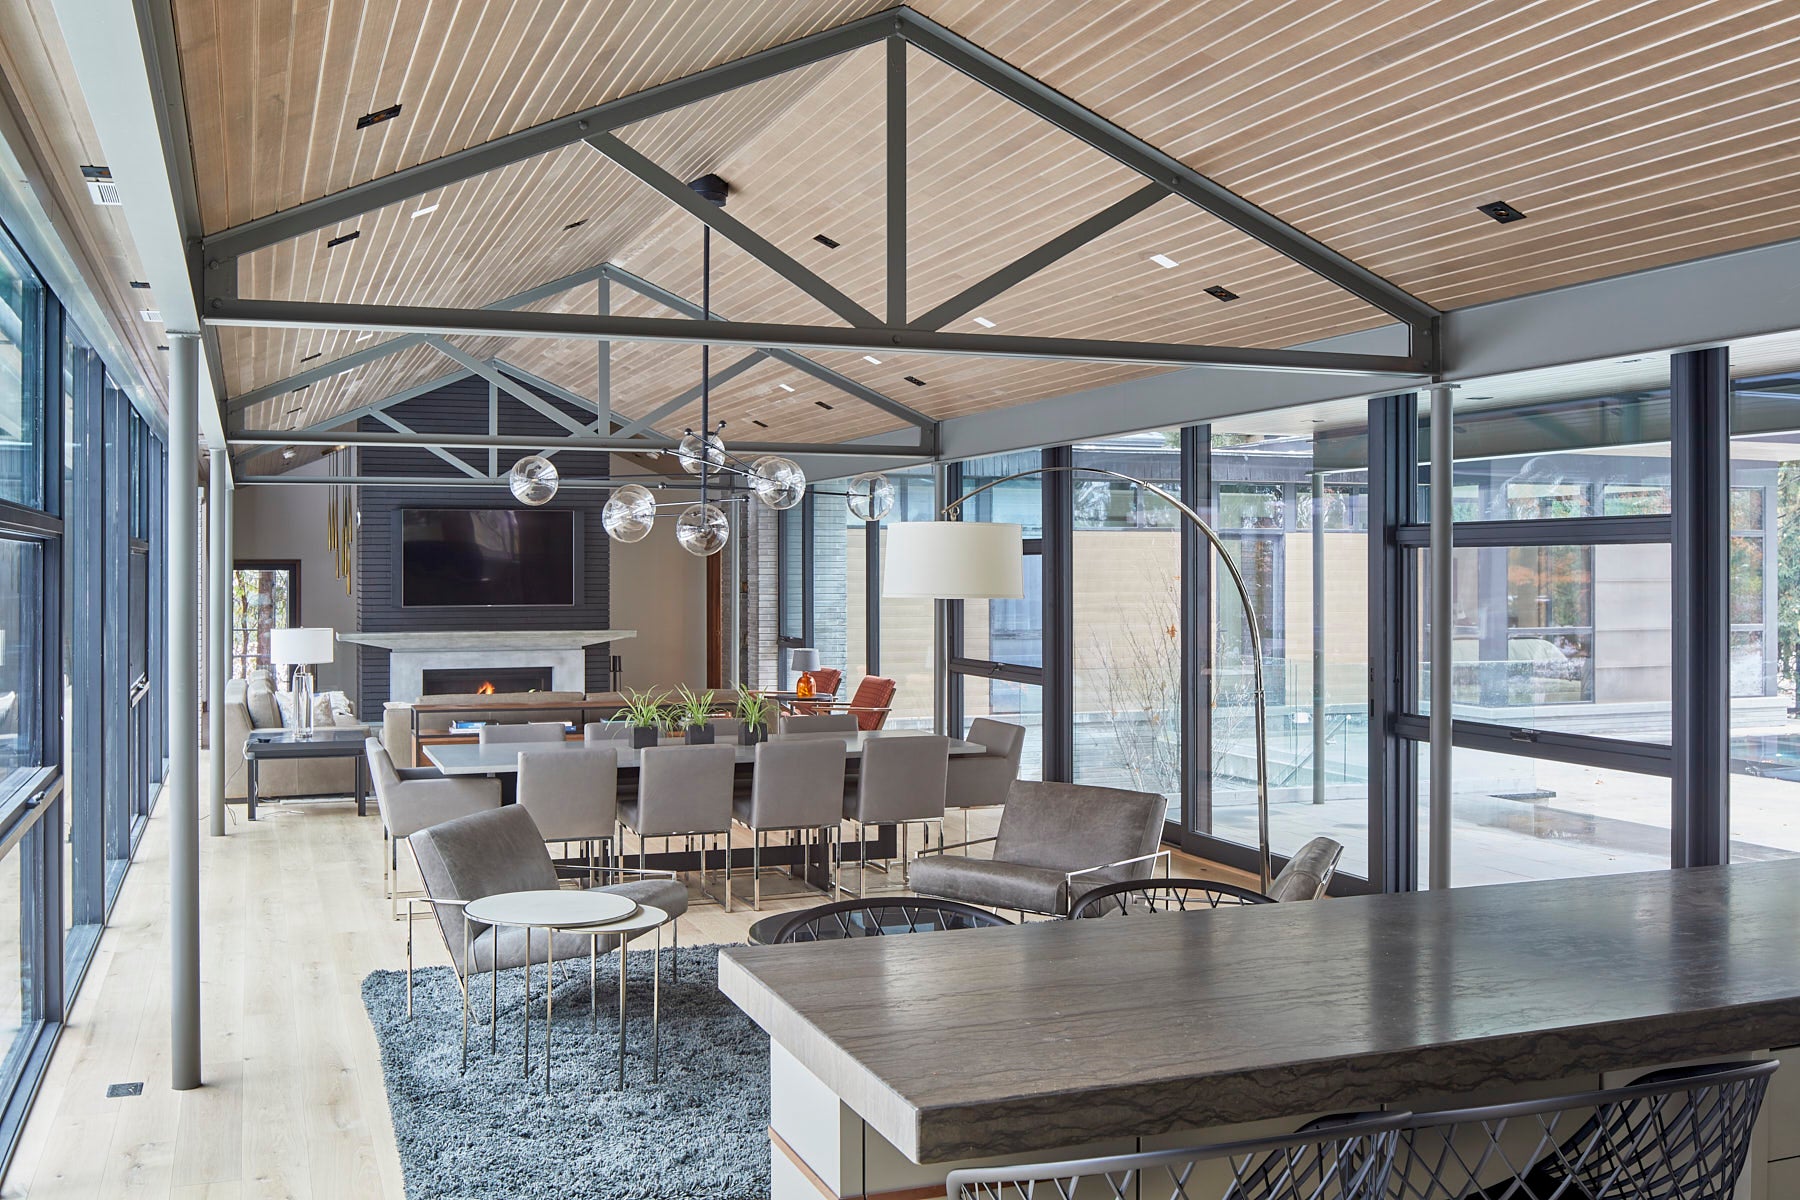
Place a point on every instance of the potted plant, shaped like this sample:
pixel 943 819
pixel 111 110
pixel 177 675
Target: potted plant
pixel 756 712
pixel 693 711
pixel 645 714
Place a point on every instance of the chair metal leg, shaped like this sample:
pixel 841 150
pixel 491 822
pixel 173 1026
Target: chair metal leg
pixel 756 870
pixel 466 981
pixel 622 941
pixel 593 984
pixel 656 1006
pixel 549 997
pixel 674 949
pixel 409 959
pixel 728 870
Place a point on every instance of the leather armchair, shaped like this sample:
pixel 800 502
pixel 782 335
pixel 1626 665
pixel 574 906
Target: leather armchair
pixel 1309 872
pixel 1056 842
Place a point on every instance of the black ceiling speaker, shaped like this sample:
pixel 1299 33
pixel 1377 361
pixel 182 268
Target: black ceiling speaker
pixel 1501 211
pixel 711 188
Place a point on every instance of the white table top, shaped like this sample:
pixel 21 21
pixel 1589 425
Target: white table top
pixel 552 909
pixel 472 759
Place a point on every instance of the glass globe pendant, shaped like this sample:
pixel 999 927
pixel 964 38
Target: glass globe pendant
pixel 702 529
pixel 629 514
pixel 690 451
pixel 778 482
pixel 871 496
pixel 533 480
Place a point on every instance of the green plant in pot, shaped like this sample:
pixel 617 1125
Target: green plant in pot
pixel 693 710
pixel 756 713
pixel 645 714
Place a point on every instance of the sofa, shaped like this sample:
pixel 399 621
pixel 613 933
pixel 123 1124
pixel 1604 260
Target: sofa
pixel 397 717
pixel 254 704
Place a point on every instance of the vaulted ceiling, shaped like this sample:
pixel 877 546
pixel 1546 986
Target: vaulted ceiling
pixel 1633 133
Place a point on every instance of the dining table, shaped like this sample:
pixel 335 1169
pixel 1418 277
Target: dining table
pixel 500 761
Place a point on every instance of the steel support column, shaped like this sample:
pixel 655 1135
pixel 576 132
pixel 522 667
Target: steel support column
pixel 218 624
pixel 1443 515
pixel 184 713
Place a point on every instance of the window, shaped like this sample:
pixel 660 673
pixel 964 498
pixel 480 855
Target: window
pixel 21 367
pixel 264 597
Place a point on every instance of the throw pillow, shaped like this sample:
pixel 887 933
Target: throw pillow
pixel 265 713
pixel 284 702
pixel 323 716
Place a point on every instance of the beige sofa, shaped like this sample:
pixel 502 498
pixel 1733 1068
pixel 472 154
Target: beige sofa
pixel 397 718
pixel 250 705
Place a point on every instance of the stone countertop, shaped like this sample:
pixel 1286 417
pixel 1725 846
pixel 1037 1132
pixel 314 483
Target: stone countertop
pixel 995 1041
pixel 497 640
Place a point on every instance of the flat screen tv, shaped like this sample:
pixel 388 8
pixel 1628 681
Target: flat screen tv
pixel 486 557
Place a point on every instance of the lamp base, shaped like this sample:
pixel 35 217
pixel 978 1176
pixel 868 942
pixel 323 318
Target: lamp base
pixel 303 704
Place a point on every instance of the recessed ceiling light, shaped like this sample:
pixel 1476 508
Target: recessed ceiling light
pixel 424 212
pixel 1501 211
pixel 378 116
pixel 871 358
pixel 823 405
pixel 162 347
pixel 575 224
pixel 1221 293
pixel 348 237
pixel 915 380
pixel 1164 261
pixel 984 322
pixel 758 423
pixel 140 285
pixel 100 186
pixel 151 314
pixel 825 241
pixel 786 387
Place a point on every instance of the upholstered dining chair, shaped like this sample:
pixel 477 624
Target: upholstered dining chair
pixel 1057 841
pixel 798 785
pixel 604 732
pixel 984 780
pixel 573 795
pixel 534 731
pixel 503 850
pixel 417 799
pixel 1308 873
pixel 833 723
pixel 684 791
pixel 900 781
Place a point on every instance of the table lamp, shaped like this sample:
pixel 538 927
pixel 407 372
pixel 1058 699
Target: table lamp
pixel 302 648
pixel 804 659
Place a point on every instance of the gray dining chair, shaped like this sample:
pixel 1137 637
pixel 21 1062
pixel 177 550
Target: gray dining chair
pixel 819 723
pixel 605 731
pixel 901 781
pixel 684 791
pixel 797 785
pixel 984 780
pixel 726 729
pixel 573 795
pixel 1308 873
pixel 535 731
pixel 417 799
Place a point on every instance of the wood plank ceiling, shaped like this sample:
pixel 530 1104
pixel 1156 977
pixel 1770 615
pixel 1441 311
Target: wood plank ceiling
pixel 1632 132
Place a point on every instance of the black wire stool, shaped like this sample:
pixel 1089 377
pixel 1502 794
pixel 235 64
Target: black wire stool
pixel 880 917
pixel 1346 1161
pixel 1163 895
pixel 1677 1134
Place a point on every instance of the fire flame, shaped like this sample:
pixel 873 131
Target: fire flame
pixel 486 689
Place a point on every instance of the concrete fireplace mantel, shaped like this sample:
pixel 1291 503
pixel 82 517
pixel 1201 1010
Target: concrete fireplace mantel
pixel 564 651
pixel 517 639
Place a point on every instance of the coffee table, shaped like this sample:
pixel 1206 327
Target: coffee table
pixel 593 913
pixel 338 741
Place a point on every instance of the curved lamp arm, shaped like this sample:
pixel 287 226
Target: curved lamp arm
pixel 954 510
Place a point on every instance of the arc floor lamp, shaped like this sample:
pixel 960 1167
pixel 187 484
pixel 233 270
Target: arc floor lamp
pixel 953 559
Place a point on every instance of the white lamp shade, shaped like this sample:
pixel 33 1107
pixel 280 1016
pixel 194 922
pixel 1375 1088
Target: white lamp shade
pixel 308 644
pixel 803 658
pixel 954 560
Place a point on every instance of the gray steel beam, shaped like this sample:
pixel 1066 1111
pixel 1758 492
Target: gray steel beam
pixel 218 626
pixel 799 362
pixel 676 403
pixel 746 239
pixel 517 391
pixel 541 139
pixel 553 388
pixel 583 483
pixel 374 407
pixel 1029 264
pixel 482 322
pixel 478 441
pixel 1044 101
pixel 896 181
pixel 368 354
pixel 422 443
pixel 1443 634
pixel 182 640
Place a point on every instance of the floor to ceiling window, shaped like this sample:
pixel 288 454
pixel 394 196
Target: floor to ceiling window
pixel 895 637
pixel 265 596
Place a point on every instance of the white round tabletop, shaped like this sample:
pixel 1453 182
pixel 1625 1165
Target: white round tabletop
pixel 646 918
pixel 551 908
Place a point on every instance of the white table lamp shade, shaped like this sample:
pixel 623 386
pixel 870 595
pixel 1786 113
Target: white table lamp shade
pixel 803 658
pixel 954 560
pixel 308 644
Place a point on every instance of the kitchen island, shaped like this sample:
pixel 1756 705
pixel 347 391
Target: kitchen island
pixel 1057 1038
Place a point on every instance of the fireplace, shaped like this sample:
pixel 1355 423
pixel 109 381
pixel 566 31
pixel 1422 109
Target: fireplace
pixel 468 680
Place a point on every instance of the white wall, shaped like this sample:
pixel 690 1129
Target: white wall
pixel 289 523
pixel 659 589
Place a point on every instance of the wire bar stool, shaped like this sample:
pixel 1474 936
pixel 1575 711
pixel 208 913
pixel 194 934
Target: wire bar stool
pixel 881 917
pixel 1676 1134
pixel 1345 1161
pixel 1135 896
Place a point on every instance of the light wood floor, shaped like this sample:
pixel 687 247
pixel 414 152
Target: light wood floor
pixel 293 1103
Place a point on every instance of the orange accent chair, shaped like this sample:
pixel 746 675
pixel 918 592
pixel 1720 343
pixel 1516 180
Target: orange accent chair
pixel 873 699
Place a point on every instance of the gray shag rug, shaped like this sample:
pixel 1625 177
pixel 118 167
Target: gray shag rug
pixel 701 1130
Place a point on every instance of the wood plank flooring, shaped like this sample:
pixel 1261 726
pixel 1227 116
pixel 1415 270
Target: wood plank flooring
pixel 293 1106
